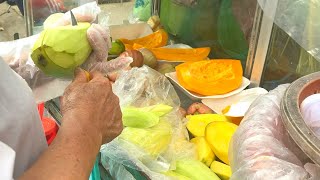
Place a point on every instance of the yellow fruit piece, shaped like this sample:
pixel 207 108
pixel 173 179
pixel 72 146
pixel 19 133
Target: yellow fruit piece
pixel 218 135
pixel 154 40
pixel 197 123
pixel 205 153
pixel 222 170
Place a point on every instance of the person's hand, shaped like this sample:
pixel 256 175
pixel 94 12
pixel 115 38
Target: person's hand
pixel 92 104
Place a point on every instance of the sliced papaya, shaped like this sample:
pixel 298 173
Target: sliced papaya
pixel 174 54
pixel 154 40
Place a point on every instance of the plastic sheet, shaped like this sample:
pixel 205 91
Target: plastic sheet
pixel 299 19
pixel 261 147
pixel 150 152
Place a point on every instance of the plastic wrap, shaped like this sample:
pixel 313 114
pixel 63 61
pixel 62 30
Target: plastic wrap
pixel 141 87
pixel 261 147
pixel 299 19
pixel 310 112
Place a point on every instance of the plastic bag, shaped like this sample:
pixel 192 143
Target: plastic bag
pixel 261 147
pixel 299 19
pixel 146 153
pixel 310 112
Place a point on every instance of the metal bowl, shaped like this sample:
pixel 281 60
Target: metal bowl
pixel 292 118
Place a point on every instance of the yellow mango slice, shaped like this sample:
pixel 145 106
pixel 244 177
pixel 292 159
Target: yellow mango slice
pixel 222 170
pixel 204 151
pixel 197 123
pixel 218 134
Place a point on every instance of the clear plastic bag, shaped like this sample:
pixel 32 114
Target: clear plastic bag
pixel 156 149
pixel 261 147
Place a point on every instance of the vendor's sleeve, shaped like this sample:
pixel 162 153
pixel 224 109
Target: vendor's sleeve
pixel 7 157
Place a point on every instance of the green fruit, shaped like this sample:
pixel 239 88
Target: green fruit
pixel 135 117
pixel 154 140
pixel 53 18
pixel 195 170
pixel 59 50
pixel 117 48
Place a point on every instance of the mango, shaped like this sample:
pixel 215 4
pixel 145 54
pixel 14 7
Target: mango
pixel 218 134
pixel 159 109
pixel 204 151
pixel 154 140
pixel 53 18
pixel 135 117
pixel 194 170
pixel 176 175
pixel 59 50
pixel 197 123
pixel 222 170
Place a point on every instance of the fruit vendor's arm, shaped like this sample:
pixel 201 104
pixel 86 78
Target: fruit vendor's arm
pixel 91 117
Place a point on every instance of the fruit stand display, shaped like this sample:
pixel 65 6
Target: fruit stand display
pixel 157 130
pixel 180 107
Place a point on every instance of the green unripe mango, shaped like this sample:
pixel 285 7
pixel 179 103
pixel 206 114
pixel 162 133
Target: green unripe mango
pixel 59 50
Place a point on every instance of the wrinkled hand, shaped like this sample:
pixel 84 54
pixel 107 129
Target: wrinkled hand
pixel 93 104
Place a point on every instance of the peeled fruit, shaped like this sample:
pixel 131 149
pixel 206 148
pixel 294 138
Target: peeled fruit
pixel 135 117
pixel 53 18
pixel 194 170
pixel 197 123
pixel 117 48
pixel 176 175
pixel 164 68
pixel 205 153
pixel 159 109
pixel 222 170
pixel 136 56
pixel 148 58
pixel 154 140
pixel 59 50
pixel 218 134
